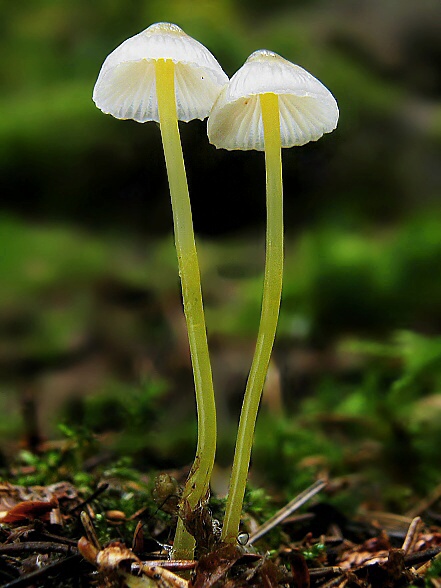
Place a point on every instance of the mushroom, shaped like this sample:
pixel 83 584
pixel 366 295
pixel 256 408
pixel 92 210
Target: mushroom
pixel 268 104
pixel 163 75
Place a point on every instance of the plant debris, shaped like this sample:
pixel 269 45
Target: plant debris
pixel 40 549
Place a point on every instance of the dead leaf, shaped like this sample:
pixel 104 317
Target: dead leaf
pixel 29 511
pixel 215 565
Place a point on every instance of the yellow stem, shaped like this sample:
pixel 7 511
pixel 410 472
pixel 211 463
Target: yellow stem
pixel 197 485
pixel 272 291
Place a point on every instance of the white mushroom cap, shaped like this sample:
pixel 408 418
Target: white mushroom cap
pixel 307 108
pixel 126 86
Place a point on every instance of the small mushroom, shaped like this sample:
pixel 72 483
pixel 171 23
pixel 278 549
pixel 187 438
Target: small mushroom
pixel 268 104
pixel 126 84
pixel 163 75
pixel 306 108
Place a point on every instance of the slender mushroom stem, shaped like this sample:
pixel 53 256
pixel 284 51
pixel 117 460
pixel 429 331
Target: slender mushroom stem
pixel 272 291
pixel 197 484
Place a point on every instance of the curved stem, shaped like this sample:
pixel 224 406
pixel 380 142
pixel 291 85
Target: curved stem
pixel 197 485
pixel 272 290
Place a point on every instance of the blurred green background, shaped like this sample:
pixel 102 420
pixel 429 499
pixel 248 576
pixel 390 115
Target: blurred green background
pixel 91 327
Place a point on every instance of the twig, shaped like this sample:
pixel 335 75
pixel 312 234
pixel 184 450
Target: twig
pixel 410 560
pixel 318 573
pixel 41 546
pixel 287 510
pixel 422 556
pixel 57 538
pixel 338 582
pixel 101 488
pixel 90 530
pixel 174 565
pixel 421 571
pixel 426 502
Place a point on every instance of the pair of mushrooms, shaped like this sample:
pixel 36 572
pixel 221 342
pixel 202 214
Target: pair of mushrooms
pixel 163 75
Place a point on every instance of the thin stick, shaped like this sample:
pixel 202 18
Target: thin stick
pixel 425 503
pixel 287 510
pixel 422 570
pixel 40 546
pixel 100 489
pixel 90 530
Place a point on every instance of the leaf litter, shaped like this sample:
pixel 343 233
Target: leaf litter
pixel 53 536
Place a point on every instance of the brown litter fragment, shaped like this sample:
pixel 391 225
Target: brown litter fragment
pixel 29 511
pixel 118 564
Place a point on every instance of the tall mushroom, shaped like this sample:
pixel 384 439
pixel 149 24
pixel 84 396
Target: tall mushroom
pixel 269 103
pixel 163 75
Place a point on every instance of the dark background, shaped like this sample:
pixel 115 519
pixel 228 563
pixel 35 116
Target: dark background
pixel 62 160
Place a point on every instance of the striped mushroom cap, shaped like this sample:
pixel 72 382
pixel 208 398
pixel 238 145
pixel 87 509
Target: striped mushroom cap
pixel 126 86
pixel 307 108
